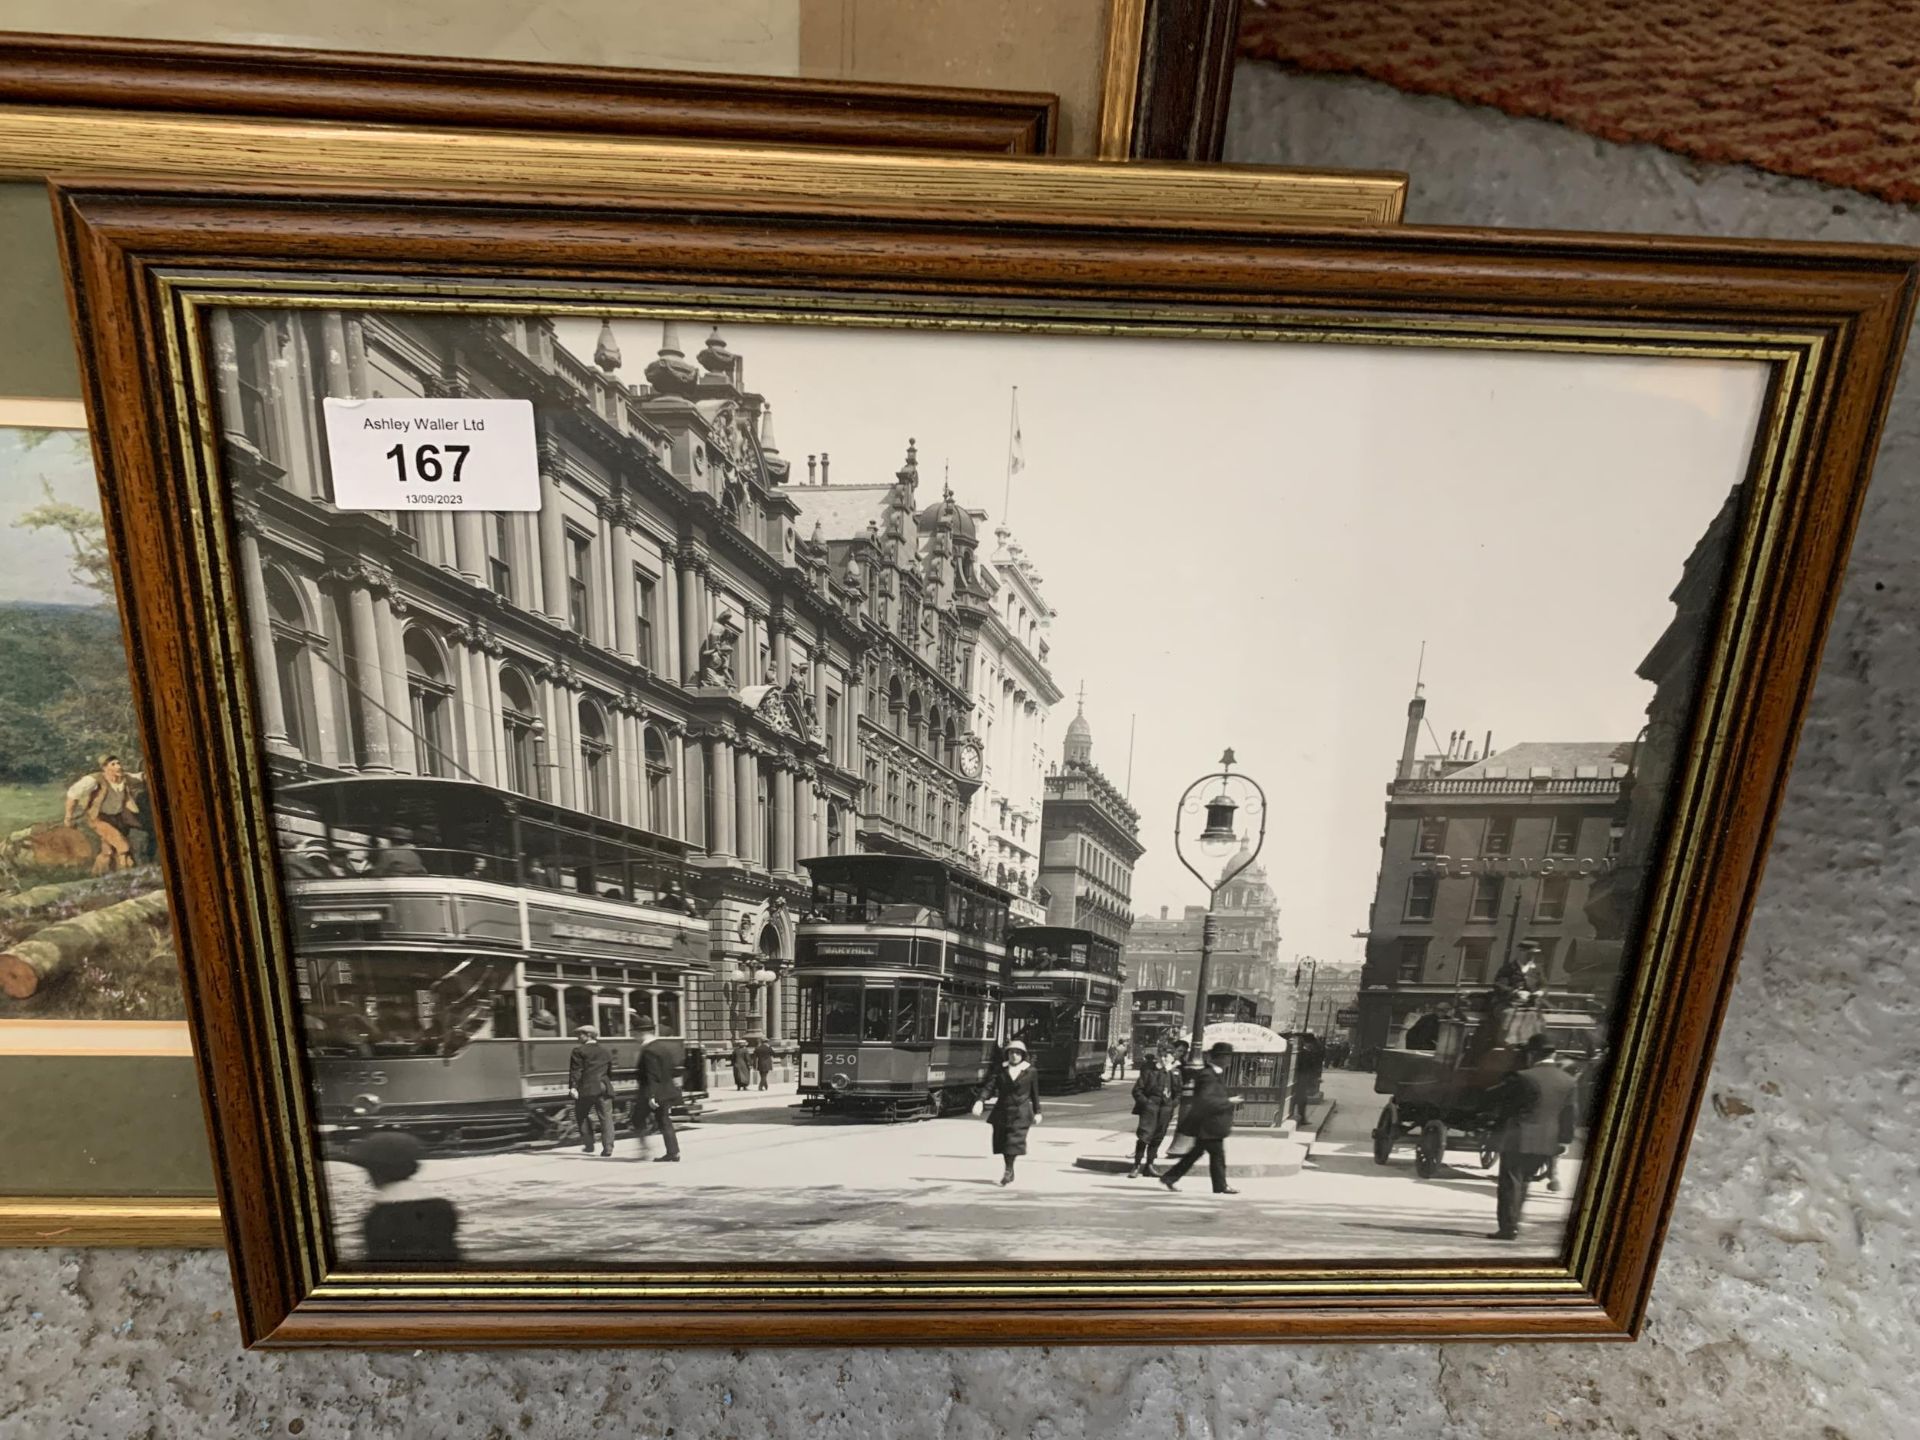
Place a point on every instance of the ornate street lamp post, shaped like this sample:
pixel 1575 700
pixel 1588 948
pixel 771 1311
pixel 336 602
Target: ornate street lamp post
pixel 1217 840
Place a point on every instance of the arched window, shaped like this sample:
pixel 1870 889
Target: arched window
pixel 933 731
pixel 520 718
pixel 952 740
pixel 834 840
pixel 897 704
pixel 292 672
pixel 659 783
pixel 596 759
pixel 916 720
pixel 430 698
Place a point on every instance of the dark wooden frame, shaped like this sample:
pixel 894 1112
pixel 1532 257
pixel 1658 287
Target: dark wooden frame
pixel 1830 320
pixel 277 82
pixel 1169 78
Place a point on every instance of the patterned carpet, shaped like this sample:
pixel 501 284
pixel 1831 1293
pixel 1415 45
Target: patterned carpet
pixel 1824 89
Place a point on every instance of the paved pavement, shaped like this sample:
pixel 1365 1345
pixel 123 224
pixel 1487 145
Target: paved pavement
pixel 762 1182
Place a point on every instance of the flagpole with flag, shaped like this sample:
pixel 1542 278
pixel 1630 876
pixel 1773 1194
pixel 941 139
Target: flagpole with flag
pixel 1016 462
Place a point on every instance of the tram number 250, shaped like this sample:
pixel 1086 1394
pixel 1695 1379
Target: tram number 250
pixel 847 1058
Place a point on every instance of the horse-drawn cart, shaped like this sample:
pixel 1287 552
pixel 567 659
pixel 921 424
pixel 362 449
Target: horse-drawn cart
pixel 1440 1085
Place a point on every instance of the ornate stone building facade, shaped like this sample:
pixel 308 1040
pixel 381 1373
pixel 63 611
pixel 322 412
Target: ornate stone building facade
pixel 1013 694
pixel 1089 841
pixel 911 577
pixel 655 645
pixel 1480 858
pixel 1164 953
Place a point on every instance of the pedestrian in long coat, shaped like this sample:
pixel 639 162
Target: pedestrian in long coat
pixel 763 1059
pixel 1208 1118
pixel 1537 1105
pixel 1156 1092
pixel 1012 1102
pixel 742 1065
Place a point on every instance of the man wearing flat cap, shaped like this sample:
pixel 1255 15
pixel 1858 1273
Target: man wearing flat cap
pixel 659 1060
pixel 1207 1118
pixel 590 1083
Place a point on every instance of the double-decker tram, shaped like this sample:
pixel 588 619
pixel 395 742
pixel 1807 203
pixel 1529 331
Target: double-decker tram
pixel 1158 1018
pixel 901 963
pixel 1061 987
pixel 449 938
pixel 1233 1007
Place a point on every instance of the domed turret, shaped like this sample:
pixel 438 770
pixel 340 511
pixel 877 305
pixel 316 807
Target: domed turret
pixel 1079 747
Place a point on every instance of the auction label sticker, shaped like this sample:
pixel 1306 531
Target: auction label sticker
pixel 433 454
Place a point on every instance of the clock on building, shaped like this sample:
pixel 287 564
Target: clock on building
pixel 969 761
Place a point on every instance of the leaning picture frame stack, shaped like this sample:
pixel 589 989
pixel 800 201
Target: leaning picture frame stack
pixel 121 106
pixel 307 661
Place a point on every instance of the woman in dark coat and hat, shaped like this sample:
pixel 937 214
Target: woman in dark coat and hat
pixel 1012 1102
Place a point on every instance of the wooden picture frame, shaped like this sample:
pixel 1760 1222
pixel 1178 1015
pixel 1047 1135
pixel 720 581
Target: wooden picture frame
pixel 67 72
pixel 979 244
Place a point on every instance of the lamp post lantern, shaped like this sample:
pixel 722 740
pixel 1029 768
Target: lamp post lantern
pixel 1217 840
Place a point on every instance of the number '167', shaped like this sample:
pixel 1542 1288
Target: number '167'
pixel 427 464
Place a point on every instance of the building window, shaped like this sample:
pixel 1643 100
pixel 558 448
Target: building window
pixel 946 822
pixel 579 588
pixel 897 703
pixel 1486 898
pixel 761 788
pixel 500 560
pixel 1475 957
pixel 659 783
pixel 1432 839
pixel 643 618
pixel 1566 830
pixel 596 760
pixel 522 728
pixel 1616 836
pixel 253 349
pixel 290 661
pixel 913 806
pixel 833 829
pixel 1552 904
pixel 872 792
pixel 410 524
pixel 893 794
pixel 1545 947
pixel 833 727
pixel 429 698
pixel 1420 892
pixel 1499 839
pixel 1413 961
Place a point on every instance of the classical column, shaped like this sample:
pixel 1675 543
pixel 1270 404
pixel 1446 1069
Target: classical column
pixel 690 815
pixel 720 837
pixel 476 701
pixel 553 540
pixel 566 713
pixel 783 833
pixel 393 684
pixel 333 337
pixel 226 365
pixel 626 619
pixel 748 840
pixel 782 648
pixel 690 633
pixel 357 381
pixel 368 692
pixel 470 546
pixel 639 799
pixel 266 664
pixel 666 647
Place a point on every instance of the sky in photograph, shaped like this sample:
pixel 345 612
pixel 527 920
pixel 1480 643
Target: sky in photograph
pixel 1248 543
pixel 37 564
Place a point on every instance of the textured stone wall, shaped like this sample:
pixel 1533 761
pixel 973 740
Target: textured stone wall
pixel 1786 1302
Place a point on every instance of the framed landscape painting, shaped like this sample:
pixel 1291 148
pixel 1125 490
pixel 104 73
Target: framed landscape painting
pixel 101 1127
pixel 776 758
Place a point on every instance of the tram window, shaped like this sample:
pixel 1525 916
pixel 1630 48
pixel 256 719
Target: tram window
pixel 809 1011
pixel 842 1012
pixel 970 1018
pixel 944 1027
pixel 878 1022
pixel 906 1014
pixel 669 1013
pixel 543 1011
pixel 506 1016
pixel 639 1007
pixel 613 1016
pixel 579 1007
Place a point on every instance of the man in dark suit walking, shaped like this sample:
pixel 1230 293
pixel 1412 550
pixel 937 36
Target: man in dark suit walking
pixel 1208 1118
pixel 659 1059
pixel 590 1083
pixel 1536 1106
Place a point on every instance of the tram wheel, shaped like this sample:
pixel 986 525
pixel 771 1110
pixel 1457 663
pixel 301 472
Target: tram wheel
pixel 1384 1132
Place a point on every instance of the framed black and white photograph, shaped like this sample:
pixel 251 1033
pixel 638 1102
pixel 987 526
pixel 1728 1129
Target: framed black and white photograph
pixel 800 804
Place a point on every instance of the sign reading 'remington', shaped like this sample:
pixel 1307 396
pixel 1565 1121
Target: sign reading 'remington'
pixel 433 454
